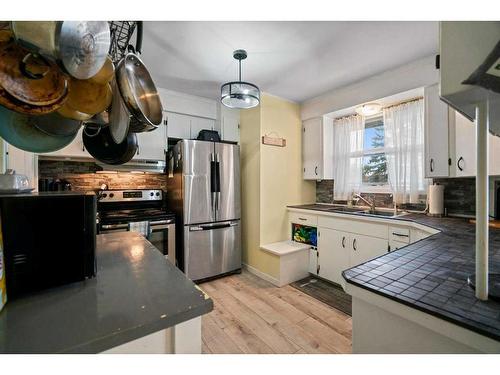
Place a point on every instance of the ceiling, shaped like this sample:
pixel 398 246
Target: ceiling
pixel 292 60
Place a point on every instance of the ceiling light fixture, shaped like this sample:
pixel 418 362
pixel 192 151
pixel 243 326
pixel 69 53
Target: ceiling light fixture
pixel 239 94
pixel 369 109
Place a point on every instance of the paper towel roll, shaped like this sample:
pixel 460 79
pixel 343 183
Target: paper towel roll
pixel 436 199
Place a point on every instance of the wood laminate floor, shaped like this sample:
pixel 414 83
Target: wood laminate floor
pixel 253 316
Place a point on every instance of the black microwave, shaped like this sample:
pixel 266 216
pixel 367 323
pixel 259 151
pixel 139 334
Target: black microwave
pixel 49 239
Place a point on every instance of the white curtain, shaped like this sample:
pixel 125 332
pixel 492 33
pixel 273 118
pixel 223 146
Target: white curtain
pixel 347 156
pixel 404 143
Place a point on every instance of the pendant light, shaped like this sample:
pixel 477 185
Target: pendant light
pixel 239 94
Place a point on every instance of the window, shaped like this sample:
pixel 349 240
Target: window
pixel 381 154
pixel 374 161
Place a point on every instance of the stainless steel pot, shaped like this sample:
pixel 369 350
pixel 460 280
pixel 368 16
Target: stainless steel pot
pixel 138 90
pixel 80 47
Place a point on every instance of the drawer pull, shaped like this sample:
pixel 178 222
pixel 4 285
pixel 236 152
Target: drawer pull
pixel 400 234
pixel 302 218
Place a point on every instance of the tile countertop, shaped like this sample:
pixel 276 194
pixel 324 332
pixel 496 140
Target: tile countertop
pixel 136 292
pixel 431 274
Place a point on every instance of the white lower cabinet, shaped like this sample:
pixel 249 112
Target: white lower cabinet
pixel 333 254
pixel 364 248
pixel 394 245
pixel 338 251
pixel 345 242
pixel 313 261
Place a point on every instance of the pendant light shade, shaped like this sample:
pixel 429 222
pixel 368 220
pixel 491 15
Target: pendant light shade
pixel 239 94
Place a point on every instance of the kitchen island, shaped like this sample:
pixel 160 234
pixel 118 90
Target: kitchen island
pixel 416 299
pixel 138 303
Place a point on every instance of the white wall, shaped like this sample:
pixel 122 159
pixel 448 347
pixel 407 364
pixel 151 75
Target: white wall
pixel 418 73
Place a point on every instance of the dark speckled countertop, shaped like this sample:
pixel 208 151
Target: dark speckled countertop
pixel 431 274
pixel 136 292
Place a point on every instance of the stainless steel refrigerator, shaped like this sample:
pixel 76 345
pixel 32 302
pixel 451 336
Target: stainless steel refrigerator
pixel 203 189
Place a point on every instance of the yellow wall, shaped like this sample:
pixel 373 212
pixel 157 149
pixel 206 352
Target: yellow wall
pixel 271 178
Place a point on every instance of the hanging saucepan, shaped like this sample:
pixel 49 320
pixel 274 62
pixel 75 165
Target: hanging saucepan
pixel 55 125
pixel 137 87
pixel 80 47
pixel 136 126
pixel 106 74
pixel 20 131
pixel 8 101
pixel 70 113
pixel 88 97
pixel 120 117
pixel 93 126
pixel 103 148
pixel 31 79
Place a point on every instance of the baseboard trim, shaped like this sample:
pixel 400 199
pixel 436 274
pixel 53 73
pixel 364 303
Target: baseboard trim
pixel 262 275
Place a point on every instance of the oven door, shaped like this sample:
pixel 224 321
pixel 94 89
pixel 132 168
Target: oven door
pixel 162 236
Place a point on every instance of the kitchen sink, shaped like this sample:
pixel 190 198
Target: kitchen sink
pixel 346 209
pixel 363 211
pixel 380 213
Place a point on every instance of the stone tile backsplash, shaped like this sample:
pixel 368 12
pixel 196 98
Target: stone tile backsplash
pixel 82 176
pixel 324 191
pixel 459 195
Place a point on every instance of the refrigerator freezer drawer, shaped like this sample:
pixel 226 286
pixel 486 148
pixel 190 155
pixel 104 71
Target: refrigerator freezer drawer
pixel 212 249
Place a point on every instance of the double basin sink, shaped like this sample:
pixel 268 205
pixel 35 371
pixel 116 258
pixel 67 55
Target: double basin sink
pixel 361 211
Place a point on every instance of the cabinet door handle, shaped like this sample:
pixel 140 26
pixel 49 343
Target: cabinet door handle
pixel 432 165
pixel 316 170
pixel 458 163
pixel 400 234
pixel 317 269
pixel 343 242
pixel 354 245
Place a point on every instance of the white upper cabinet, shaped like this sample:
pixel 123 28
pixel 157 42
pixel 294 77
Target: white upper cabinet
pixel 450 141
pixel 200 123
pixel 178 126
pixel 181 126
pixel 463 135
pixel 317 149
pixel 177 102
pixel 75 149
pixel 436 134
pixel 22 162
pixel 229 124
pixel 152 145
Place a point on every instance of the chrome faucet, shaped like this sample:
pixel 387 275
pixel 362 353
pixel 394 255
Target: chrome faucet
pixel 370 203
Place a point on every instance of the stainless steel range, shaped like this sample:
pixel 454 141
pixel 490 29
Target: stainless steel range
pixel 142 211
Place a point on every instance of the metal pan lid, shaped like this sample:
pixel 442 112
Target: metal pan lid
pixel 83 46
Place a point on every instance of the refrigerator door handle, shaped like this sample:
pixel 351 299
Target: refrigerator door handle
pixel 213 183
pixel 213 226
pixel 217 179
